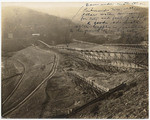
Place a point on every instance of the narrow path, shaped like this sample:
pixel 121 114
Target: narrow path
pixel 23 74
pixel 52 72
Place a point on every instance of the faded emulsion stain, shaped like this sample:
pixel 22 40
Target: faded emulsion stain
pixel 75 60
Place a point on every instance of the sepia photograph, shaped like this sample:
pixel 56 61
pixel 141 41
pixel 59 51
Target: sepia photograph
pixel 74 60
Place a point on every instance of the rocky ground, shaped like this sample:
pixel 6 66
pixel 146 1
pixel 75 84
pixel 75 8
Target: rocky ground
pixel 64 93
pixel 128 103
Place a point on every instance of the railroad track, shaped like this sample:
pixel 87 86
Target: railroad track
pixel 102 51
pixel 52 72
pixel 13 91
pixel 113 58
pixel 100 98
pixel 103 96
pixel 98 51
pixel 11 76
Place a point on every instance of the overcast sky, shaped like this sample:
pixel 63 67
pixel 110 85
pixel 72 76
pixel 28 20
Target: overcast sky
pixel 61 9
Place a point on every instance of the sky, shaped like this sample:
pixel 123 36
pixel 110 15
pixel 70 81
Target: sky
pixel 61 9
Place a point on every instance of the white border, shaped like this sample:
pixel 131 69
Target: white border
pixel 71 1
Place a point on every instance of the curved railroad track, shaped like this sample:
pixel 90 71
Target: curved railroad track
pixel 13 91
pixel 51 73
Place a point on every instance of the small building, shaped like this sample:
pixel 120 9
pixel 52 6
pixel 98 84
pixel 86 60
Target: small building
pixel 10 35
pixel 35 34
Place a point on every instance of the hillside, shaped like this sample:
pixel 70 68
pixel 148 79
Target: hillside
pixel 129 26
pixel 114 24
pixel 23 22
pixel 130 103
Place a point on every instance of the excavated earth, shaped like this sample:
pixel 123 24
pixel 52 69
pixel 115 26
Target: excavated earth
pixel 65 93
